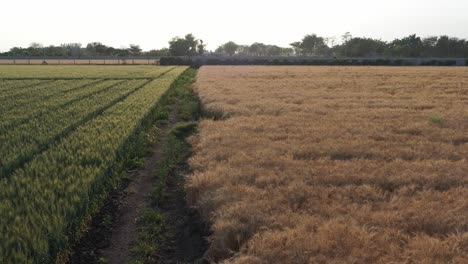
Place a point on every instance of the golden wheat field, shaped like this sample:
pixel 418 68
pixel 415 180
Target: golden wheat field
pixel 333 164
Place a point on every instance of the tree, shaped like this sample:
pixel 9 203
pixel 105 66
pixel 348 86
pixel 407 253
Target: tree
pixel 273 50
pixel 36 45
pixel 186 46
pixel 330 41
pixel 410 46
pixel 429 45
pixel 54 51
pixel 36 49
pixel 72 49
pixel 258 49
pixel 243 50
pixel 16 51
pixel 287 51
pixel 134 50
pixel 230 48
pixel 451 47
pixel 313 45
pixel 345 38
pixel 96 48
pixel 297 47
pixel 201 48
pixel 111 51
pixel 159 53
pixel 362 47
pixel 122 52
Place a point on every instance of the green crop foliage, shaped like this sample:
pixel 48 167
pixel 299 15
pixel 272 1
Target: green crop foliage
pixel 91 71
pixel 39 106
pixel 70 151
pixel 16 149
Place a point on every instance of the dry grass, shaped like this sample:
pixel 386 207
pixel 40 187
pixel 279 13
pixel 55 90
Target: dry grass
pixel 333 164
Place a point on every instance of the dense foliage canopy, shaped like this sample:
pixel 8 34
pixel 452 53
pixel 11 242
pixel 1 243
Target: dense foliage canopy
pixel 309 45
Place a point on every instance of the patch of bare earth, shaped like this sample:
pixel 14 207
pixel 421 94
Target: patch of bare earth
pixel 133 203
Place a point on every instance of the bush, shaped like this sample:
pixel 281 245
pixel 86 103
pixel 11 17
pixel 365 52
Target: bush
pixel 182 130
pixel 436 120
pixel 449 63
pixel 382 62
pixel 197 62
pixel 175 61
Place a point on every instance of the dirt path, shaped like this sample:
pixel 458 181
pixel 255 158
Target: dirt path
pixel 114 230
pixel 136 199
pixel 185 231
pixel 113 242
pixel 124 232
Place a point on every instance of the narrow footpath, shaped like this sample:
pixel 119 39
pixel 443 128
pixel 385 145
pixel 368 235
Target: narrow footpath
pixel 114 231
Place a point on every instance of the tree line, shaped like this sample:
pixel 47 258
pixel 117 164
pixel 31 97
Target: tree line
pixel 92 49
pixel 310 45
pixel 349 46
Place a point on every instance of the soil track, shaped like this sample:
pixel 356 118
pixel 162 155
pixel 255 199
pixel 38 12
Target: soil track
pixel 135 200
pixel 185 232
pixel 114 242
pixel 114 229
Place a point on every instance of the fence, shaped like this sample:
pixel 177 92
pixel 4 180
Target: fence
pixel 77 61
pixel 197 61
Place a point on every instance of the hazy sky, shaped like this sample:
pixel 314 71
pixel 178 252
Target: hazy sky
pixel 151 23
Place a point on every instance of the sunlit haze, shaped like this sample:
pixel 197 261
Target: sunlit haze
pixel 151 24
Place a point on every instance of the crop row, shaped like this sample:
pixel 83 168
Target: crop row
pixel 34 100
pixel 19 84
pixel 34 95
pixel 26 140
pixel 42 91
pixel 23 87
pixel 24 111
pixel 70 71
pixel 14 111
pixel 44 202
